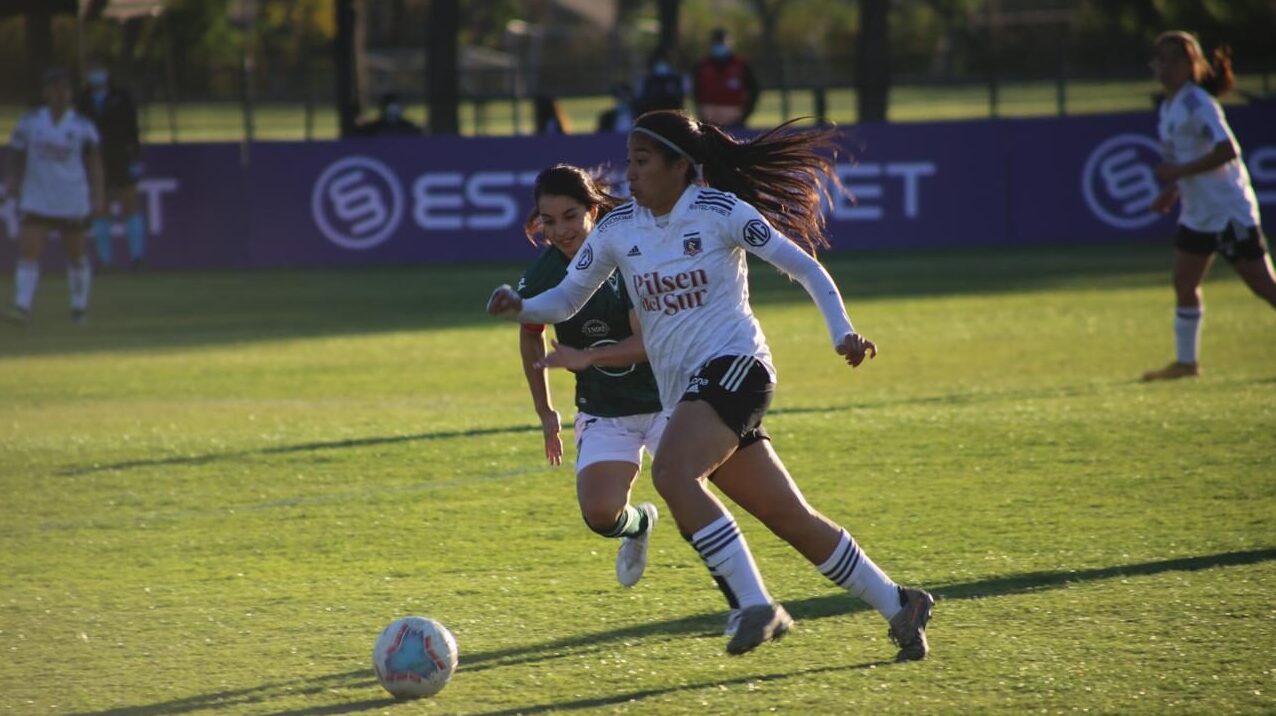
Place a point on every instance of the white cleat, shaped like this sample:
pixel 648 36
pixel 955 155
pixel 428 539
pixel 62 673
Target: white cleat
pixel 631 558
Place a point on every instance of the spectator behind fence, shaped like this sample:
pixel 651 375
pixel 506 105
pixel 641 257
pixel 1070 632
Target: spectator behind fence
pixel 663 87
pixel 726 91
pixel 550 118
pixel 391 122
pixel 110 107
pixel 620 118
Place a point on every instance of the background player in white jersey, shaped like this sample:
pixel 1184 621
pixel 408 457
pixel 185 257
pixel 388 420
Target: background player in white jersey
pixel 56 173
pixel 1203 169
pixel 618 407
pixel 682 247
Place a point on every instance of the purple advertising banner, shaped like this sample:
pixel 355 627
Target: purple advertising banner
pixel 409 200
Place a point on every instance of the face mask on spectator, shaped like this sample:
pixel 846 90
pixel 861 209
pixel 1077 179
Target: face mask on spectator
pixel 719 51
pixel 97 78
pixel 393 112
pixel 662 68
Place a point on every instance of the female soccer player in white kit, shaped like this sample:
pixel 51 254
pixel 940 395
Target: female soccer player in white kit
pixel 1203 168
pixel 55 169
pixel 681 246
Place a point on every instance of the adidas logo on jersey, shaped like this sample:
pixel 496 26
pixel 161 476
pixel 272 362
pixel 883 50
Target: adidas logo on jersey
pixel 634 251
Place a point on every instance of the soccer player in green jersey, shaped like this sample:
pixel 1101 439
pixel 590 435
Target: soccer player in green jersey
pixel 617 403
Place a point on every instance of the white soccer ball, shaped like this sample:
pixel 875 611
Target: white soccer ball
pixel 415 657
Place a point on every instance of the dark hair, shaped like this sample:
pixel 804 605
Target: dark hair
pixel 1214 75
pixel 588 188
pixel 785 173
pixel 52 75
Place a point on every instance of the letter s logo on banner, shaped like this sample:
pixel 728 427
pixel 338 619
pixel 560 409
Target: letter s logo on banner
pixel 357 203
pixel 1118 181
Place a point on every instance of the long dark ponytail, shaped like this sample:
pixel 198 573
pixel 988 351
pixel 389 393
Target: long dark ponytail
pixel 588 188
pixel 785 173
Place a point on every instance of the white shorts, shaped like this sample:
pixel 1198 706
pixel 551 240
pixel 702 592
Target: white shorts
pixel 616 439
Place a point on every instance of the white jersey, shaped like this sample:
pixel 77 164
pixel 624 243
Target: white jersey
pixel 54 183
pixel 1191 124
pixel 688 280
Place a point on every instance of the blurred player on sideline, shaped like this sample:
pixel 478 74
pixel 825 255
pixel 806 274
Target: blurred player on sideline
pixel 55 170
pixel 111 110
pixel 702 200
pixel 617 403
pixel 1204 170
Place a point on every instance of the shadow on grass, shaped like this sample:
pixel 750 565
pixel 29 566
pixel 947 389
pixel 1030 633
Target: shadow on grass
pixel 181 310
pixel 302 447
pixel 703 624
pixel 955 399
pixel 648 693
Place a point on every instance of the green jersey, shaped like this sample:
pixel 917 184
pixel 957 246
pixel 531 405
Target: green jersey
pixel 606 392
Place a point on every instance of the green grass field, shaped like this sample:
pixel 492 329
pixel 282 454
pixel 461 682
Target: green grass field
pixel 273 121
pixel 217 494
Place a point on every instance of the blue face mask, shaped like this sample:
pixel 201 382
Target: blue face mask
pixel 719 51
pixel 662 68
pixel 97 78
pixel 393 112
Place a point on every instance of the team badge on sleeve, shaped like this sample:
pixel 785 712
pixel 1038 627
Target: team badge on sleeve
pixel 756 232
pixel 586 258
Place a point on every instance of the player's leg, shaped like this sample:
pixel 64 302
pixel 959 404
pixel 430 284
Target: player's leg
pixel 26 272
pixel 608 456
pixel 101 227
pixel 134 226
pixel 757 480
pixel 79 271
pixel 1253 264
pixel 725 399
pixel 1193 254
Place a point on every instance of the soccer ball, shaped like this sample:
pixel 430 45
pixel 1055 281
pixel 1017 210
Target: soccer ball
pixel 415 657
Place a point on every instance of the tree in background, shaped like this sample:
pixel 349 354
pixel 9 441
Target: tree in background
pixel 873 60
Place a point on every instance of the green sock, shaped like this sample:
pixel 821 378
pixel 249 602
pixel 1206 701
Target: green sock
pixel 631 523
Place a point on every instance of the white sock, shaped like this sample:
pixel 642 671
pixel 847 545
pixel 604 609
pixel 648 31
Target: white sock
pixel 852 570
pixel 26 276
pixel 79 277
pixel 1187 333
pixel 725 552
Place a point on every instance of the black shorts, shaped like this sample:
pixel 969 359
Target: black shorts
pixel 740 390
pixel 1234 243
pixel 55 223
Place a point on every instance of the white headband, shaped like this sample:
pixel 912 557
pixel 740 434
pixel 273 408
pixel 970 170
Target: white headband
pixel 698 166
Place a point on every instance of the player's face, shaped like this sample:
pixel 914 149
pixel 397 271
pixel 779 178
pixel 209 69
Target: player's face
pixel 1170 65
pixel 58 94
pixel 654 181
pixel 565 222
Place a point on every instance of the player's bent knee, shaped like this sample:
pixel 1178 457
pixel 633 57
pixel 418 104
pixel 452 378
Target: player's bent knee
pixel 600 518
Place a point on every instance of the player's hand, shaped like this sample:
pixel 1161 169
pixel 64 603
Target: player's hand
pixel 552 428
pixel 855 347
pixel 504 302
pixel 1168 172
pixel 1165 201
pixel 562 356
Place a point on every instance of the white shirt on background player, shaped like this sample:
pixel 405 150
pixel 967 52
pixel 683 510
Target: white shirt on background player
pixel 687 277
pixel 1191 124
pixel 54 183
